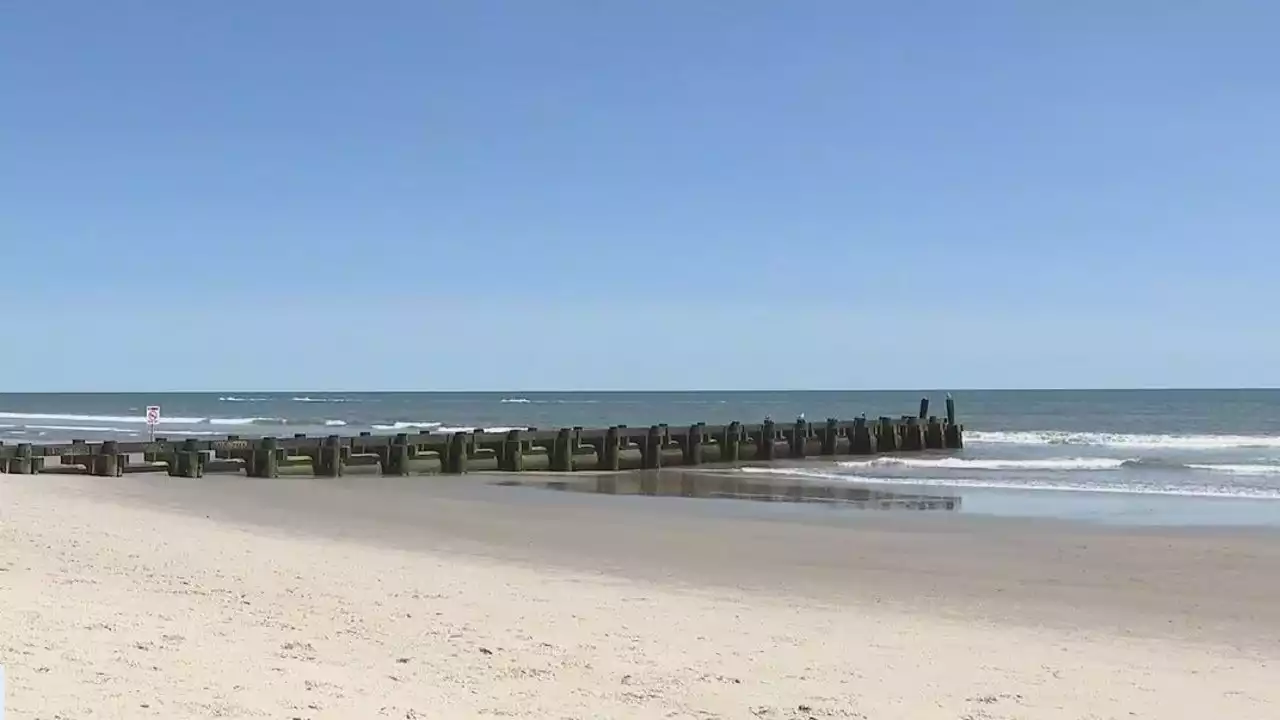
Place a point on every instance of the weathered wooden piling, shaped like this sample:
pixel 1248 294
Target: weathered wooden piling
pixel 798 443
pixel 566 449
pixel 512 452
pixel 611 450
pixel 397 462
pixel 187 461
pixel 264 462
pixel 329 461
pixel 456 455
pixel 731 442
pixel 934 438
pixel 691 445
pixel 830 436
pixel 767 445
pixel 887 435
pixel 862 442
pixel 108 462
pixel 953 434
pixel 562 451
pixel 652 448
pixel 912 437
pixel 23 461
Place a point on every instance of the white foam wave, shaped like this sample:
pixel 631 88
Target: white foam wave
pixel 1063 464
pixel 1173 442
pixel 1238 469
pixel 137 419
pixel 558 401
pixel 84 428
pixel 1218 491
pixel 233 398
pixel 100 418
pixel 405 425
pixel 306 398
pixel 335 423
pixel 438 428
pixel 193 433
pixel 954 463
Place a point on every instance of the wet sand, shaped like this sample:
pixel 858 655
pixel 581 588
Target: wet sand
pixel 1162 582
pixel 454 597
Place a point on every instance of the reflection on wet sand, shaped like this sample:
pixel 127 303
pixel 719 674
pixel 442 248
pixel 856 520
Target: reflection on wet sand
pixel 678 483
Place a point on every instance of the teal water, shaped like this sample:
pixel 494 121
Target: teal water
pixel 1141 456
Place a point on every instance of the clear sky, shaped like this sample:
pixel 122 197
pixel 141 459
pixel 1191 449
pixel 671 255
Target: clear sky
pixel 638 194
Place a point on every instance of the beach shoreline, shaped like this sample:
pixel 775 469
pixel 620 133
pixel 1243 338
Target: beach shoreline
pixel 601 606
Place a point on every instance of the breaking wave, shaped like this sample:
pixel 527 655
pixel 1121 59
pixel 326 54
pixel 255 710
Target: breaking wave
pixel 139 419
pixel 1063 483
pixel 416 425
pixel 1121 440
pixel 1058 464
pixel 955 463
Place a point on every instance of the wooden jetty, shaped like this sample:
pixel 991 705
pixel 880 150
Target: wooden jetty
pixel 561 450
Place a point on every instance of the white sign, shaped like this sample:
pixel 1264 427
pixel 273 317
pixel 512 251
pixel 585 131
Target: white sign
pixel 153 419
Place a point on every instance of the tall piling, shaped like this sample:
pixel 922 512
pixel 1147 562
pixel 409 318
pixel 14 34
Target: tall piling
pixel 23 461
pixel 691 448
pixel 830 436
pixel 799 440
pixel 512 459
pixel 954 434
pixel 652 449
pixel 328 462
pixel 398 456
pixel 188 461
pixel 456 458
pixel 862 442
pixel 768 448
pixel 562 451
pixel 610 457
pixel 731 443
pixel 912 438
pixel 887 435
pixel 108 462
pixel 265 459
pixel 934 437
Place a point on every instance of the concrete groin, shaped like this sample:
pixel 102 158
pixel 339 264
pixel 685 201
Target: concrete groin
pixel 566 449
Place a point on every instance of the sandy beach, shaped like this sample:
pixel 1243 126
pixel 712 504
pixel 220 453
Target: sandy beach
pixel 150 597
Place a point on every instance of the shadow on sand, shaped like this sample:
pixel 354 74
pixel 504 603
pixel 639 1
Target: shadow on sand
pixel 704 484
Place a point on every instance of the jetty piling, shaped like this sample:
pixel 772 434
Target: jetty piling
pixel 563 450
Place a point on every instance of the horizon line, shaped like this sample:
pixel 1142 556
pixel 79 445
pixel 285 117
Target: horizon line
pixel 315 391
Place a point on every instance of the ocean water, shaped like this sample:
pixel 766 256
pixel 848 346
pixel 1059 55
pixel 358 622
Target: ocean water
pixel 1128 456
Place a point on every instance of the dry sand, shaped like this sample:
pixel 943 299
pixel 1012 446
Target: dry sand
pixel 439 598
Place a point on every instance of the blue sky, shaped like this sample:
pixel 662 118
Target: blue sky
pixel 634 194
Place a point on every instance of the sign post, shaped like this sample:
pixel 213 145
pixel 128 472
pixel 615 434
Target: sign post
pixel 153 419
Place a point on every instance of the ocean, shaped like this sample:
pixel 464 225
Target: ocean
pixel 1125 455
